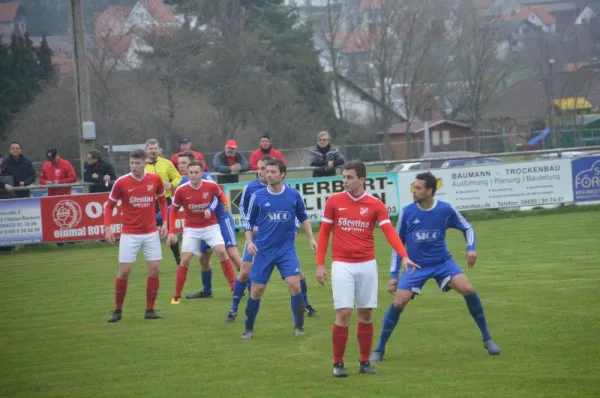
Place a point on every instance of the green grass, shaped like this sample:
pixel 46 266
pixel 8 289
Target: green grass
pixel 538 278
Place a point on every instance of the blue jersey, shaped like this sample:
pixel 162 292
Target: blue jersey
pixel 215 206
pixel 247 193
pixel 423 233
pixel 275 215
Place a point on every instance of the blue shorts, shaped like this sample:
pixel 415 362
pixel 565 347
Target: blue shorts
pixel 264 263
pixel 227 230
pixel 441 273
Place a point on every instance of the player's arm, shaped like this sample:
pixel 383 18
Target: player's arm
pixel 162 199
pixel 249 223
pixel 244 199
pixel 396 261
pixel 113 198
pixel 392 237
pixel 213 205
pixel 174 176
pixel 302 218
pixel 458 221
pixel 324 232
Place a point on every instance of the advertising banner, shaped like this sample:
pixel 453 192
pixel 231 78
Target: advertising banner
pixel 20 222
pixel 586 179
pixel 315 192
pixel 497 186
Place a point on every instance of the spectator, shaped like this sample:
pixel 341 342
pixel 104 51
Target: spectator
pixel 325 156
pixel 20 168
pixel 231 162
pixel 265 148
pixel 185 145
pixel 6 183
pixel 57 171
pixel 99 172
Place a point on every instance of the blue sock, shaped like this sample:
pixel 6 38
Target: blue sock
pixel 252 307
pixel 207 281
pixel 249 286
pixel 390 320
pixel 238 290
pixel 304 291
pixel 476 310
pixel 298 309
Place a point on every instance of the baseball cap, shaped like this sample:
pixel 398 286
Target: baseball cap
pixel 185 140
pixel 51 152
pixel 231 144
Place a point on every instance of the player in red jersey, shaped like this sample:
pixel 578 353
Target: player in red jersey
pixel 137 192
pixel 353 215
pixel 200 223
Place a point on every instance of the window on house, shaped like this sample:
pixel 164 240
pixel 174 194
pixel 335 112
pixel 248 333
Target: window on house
pixel 435 137
pixel 446 137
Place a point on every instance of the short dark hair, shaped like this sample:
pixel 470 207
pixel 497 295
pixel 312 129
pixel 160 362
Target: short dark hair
pixel 430 181
pixel 138 154
pixel 18 143
pixel 265 135
pixel 196 163
pixel 188 154
pixel 278 163
pixel 266 158
pixel 95 154
pixel 358 166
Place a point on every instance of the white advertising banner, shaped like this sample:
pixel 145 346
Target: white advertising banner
pixel 536 183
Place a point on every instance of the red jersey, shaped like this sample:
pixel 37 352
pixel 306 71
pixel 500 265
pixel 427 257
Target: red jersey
pixel 195 201
pixel 353 222
pixel 138 198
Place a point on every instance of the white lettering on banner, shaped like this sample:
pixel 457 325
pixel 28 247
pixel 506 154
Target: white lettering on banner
pixel 496 186
pixel 20 222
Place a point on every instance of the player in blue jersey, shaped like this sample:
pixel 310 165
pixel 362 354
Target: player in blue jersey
pixel 274 210
pixel 243 278
pixel 422 227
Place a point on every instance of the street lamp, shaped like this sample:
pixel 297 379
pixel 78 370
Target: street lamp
pixel 551 62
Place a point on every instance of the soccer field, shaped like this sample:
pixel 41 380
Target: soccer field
pixel 538 279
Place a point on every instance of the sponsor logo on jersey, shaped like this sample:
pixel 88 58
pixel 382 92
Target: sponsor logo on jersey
pixel 427 236
pixel 279 216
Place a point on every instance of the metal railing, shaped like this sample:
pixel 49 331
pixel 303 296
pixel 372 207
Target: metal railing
pixel 558 151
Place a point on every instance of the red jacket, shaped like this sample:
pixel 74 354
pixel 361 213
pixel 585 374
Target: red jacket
pixel 199 158
pixel 61 172
pixel 259 153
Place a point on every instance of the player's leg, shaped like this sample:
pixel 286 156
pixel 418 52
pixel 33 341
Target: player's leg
pixel 205 273
pixel 153 255
pixel 289 268
pixel 230 239
pixel 214 238
pixel 310 311
pixel 129 245
pixel 190 247
pixel 262 267
pixel 408 285
pixel 366 299
pixel 343 287
pixel 241 283
pixel 459 282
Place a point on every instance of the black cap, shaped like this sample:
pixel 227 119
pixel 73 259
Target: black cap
pixel 51 152
pixel 266 135
pixel 185 140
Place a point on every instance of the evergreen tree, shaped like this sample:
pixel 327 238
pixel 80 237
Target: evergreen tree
pixel 44 54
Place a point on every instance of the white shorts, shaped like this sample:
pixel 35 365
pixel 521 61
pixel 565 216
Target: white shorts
pixel 130 245
pixel 192 237
pixel 354 284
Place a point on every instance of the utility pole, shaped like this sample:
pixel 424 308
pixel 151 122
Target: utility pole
pixel 82 80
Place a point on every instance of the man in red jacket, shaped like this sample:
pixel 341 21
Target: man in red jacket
pixel 185 145
pixel 265 148
pixel 57 171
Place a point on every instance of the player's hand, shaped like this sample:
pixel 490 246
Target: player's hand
pixel 164 231
pixel 207 214
pixel 313 245
pixel 226 207
pixel 109 236
pixel 255 230
pixel 168 185
pixel 321 275
pixel 171 239
pixel 407 263
pixel 471 258
pixel 252 250
pixel 392 286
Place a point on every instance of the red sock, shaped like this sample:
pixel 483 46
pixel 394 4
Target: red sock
pixel 364 333
pixel 228 271
pixel 151 292
pixel 339 338
pixel 181 277
pixel 120 292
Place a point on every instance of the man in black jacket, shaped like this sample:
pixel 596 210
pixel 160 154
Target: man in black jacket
pixel 99 172
pixel 229 162
pixel 325 156
pixel 20 168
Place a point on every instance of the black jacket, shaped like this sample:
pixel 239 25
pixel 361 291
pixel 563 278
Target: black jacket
pixel 22 171
pixel 101 168
pixel 220 166
pixel 320 160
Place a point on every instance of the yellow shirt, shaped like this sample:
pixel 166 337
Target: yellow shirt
pixel 167 172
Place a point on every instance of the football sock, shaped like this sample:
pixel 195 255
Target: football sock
pixel 304 290
pixel 228 271
pixel 181 277
pixel 364 334
pixel 207 281
pixel 476 310
pixel 251 312
pixel 339 338
pixel 297 303
pixel 238 291
pixel 390 320
pixel 152 285
pixel 120 292
pixel 249 285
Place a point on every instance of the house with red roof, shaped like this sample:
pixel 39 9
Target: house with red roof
pixel 12 18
